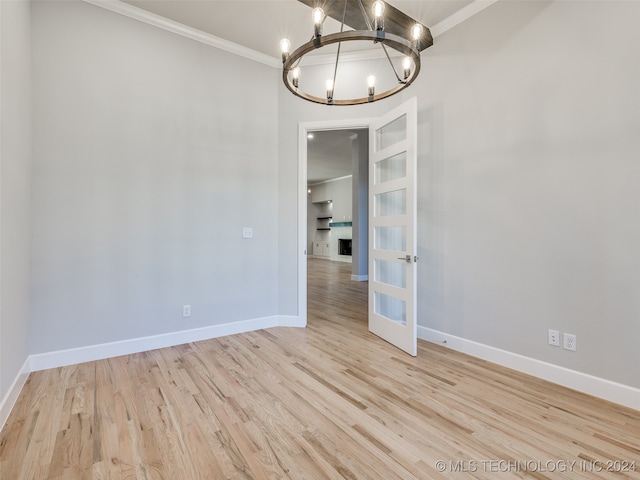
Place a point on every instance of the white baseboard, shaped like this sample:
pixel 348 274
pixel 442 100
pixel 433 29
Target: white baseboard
pixel 598 387
pixel 11 397
pixel 359 278
pixel 90 353
pixel 582 382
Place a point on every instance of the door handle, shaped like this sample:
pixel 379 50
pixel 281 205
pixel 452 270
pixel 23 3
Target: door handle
pixel 407 258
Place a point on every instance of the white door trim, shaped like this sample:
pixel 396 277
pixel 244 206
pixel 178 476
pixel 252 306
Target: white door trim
pixel 303 129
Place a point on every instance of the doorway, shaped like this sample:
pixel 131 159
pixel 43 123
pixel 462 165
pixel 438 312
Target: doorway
pixel 337 200
pixel 337 218
pixel 304 129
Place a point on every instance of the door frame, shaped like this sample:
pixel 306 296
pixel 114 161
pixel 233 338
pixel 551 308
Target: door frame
pixel 303 129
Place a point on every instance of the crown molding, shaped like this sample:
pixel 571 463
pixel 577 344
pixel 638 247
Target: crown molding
pixel 164 23
pixel 460 16
pixel 149 18
pixel 337 179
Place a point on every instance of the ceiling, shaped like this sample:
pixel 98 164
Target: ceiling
pixel 329 154
pixel 260 24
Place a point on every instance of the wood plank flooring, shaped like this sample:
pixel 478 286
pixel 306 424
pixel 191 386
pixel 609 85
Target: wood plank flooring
pixel 330 401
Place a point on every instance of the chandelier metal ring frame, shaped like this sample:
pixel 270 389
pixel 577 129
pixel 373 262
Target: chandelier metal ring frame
pixel 354 14
pixel 394 41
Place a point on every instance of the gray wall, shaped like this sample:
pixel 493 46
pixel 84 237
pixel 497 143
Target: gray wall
pixel 339 192
pixel 15 193
pixel 148 161
pixel 529 182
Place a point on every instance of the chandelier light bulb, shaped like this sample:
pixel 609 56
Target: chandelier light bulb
pixel 416 31
pixel 329 85
pixel 378 11
pixel 371 82
pixel 295 74
pixel 285 46
pixel 318 16
pixel 406 67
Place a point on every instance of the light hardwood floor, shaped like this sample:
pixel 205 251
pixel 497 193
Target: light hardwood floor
pixel 329 401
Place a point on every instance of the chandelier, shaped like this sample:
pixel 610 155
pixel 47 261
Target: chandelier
pixel 372 21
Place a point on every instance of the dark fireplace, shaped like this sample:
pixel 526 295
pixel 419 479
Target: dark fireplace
pixel 344 246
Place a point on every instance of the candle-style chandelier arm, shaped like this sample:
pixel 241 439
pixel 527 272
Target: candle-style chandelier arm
pixel 413 38
pixel 398 43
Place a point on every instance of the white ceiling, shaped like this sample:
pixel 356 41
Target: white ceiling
pixel 329 155
pixel 260 24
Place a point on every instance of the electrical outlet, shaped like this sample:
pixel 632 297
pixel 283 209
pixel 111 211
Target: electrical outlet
pixel 186 310
pixel 554 338
pixel 569 342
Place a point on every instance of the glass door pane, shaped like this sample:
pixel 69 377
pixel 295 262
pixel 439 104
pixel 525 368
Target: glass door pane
pixel 391 133
pixel 392 238
pixel 392 308
pixel 390 168
pixel 391 203
pixel 391 273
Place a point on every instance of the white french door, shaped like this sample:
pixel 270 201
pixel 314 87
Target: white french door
pixel 392 226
